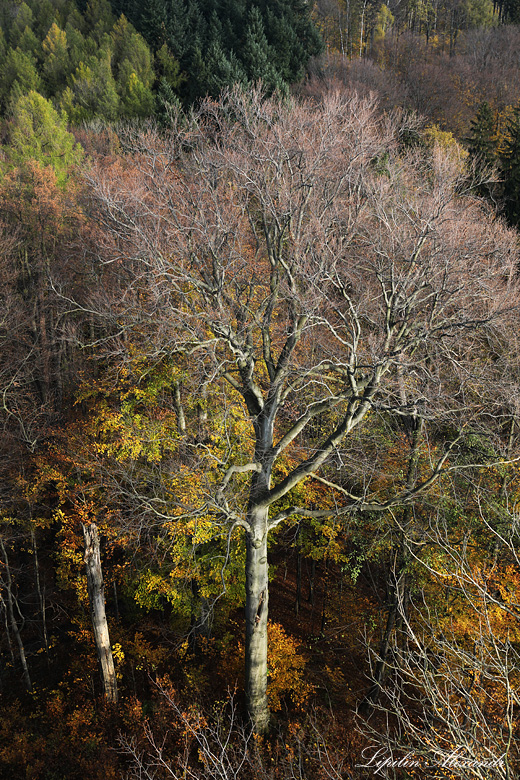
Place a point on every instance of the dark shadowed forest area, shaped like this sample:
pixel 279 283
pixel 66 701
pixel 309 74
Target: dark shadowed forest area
pixel 259 389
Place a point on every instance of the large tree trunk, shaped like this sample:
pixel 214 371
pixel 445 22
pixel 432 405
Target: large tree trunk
pixel 96 592
pixel 257 598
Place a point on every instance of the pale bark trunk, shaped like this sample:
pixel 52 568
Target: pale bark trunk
pixel 257 598
pixel 12 618
pixel 179 410
pixel 7 630
pixel 96 592
pixel 41 594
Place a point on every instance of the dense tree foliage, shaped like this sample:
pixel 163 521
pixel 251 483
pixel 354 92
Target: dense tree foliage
pixel 92 62
pixel 259 353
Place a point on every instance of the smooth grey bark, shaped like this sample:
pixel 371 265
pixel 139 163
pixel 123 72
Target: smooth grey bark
pixel 96 592
pixel 257 600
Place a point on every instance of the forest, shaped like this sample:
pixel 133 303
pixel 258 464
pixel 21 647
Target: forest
pixel 259 384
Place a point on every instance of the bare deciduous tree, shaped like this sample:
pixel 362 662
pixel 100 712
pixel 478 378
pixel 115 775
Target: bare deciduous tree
pixel 303 256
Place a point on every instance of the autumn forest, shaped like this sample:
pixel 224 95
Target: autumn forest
pixel 259 389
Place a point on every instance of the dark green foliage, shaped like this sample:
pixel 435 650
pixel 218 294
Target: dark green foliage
pixel 16 22
pixel 292 36
pixel 256 54
pixel 511 11
pixel 510 163
pixel 129 58
pixel 93 92
pixel 99 17
pixel 221 70
pixel 481 143
pixel 481 139
pixel 220 42
pixel 18 76
pixel 153 20
pixel 44 13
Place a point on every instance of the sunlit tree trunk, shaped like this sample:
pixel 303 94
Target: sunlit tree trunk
pixel 96 592
pixel 257 598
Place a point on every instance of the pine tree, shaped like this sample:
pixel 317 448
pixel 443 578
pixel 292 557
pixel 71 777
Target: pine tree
pixel 152 21
pixel 288 50
pixel 137 99
pixel 29 43
pixel 291 33
pixel 93 93
pixel 510 164
pixel 130 53
pixel 99 18
pixel 482 148
pixel 511 11
pixel 18 76
pixel 39 133
pixel 3 48
pixel 196 86
pixel 482 137
pixel 256 56
pixel 23 18
pixel 222 70
pixel 56 66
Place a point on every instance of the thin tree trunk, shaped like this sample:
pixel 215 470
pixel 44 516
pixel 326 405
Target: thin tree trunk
pixel 179 410
pixel 257 598
pixel 325 593
pixel 116 602
pixel 12 619
pixel 7 631
pixel 373 693
pixel 96 592
pixel 397 577
pixel 298 579
pixel 312 581
pixel 201 617
pixel 41 595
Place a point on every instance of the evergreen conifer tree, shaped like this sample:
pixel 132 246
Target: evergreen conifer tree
pixel 18 76
pixel 481 139
pixel 177 29
pixel 152 21
pixel 256 56
pixel 29 43
pixel 511 11
pixel 222 70
pixel 510 164
pixel 290 58
pixel 16 25
pixel 39 133
pixel 481 143
pixel 56 65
